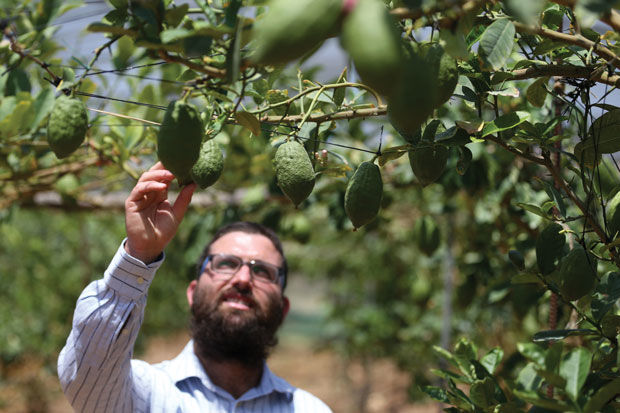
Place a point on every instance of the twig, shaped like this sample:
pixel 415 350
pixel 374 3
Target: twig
pixel 321 88
pixel 17 48
pixel 348 114
pixel 209 70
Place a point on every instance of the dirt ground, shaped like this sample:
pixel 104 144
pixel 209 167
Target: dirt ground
pixel 323 373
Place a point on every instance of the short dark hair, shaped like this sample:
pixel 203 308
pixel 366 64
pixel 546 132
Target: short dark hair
pixel 248 228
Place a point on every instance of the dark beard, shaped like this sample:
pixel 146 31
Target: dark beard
pixel 247 340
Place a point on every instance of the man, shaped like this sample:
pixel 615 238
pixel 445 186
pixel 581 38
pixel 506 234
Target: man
pixel 237 304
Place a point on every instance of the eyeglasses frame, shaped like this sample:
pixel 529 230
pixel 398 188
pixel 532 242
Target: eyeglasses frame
pixel 281 273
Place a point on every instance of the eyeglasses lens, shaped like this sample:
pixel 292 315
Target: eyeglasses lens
pixel 230 264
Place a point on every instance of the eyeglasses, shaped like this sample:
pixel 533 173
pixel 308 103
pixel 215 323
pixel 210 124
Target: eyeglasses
pixel 227 265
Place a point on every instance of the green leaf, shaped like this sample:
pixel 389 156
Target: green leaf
pixel 392 153
pixel 511 92
pixel 249 121
pixel 553 357
pixel 539 401
pixel 534 209
pixel 497 42
pixel 339 92
pixel 603 137
pixel 436 393
pixel 482 393
pixel 555 195
pixel 505 122
pixel 602 396
pixel 453 136
pixel 464 353
pixel 537 93
pixel 533 352
pixel 575 368
pixel 175 14
pixel 606 294
pixel 447 374
pixel 107 28
pixel 443 353
pixel 492 359
pixel 554 335
pixel 454 44
pixel 17 81
pixel 42 106
pixel 172 35
pixel 528 379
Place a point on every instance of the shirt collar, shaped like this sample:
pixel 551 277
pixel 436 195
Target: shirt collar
pixel 187 365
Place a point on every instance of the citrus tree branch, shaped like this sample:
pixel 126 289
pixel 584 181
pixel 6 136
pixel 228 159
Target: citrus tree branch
pixel 209 70
pixel 570 71
pixel 320 88
pixel 19 49
pixel 347 114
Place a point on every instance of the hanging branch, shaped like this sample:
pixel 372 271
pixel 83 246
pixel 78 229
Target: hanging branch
pixel 209 70
pixel 347 114
pixel 17 48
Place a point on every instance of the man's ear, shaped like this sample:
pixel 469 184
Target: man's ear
pixel 286 305
pixel 190 292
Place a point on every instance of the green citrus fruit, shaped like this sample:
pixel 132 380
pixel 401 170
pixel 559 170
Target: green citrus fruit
pixel 577 273
pixel 294 171
pixel 179 139
pixel 208 168
pixel 290 29
pixel 362 198
pixel 67 126
pixel 428 163
pixel 412 101
pixel 550 247
pixel 370 36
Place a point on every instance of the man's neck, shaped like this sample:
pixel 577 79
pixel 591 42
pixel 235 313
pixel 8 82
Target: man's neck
pixel 233 376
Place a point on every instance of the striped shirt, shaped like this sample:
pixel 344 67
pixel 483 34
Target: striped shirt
pixel 97 372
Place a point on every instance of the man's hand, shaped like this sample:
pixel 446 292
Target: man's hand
pixel 150 220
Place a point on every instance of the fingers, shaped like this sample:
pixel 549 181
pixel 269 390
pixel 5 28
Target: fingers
pixel 162 175
pixel 182 202
pixel 148 190
pixel 157 166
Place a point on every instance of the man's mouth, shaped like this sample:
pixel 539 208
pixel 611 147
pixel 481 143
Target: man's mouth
pixel 238 301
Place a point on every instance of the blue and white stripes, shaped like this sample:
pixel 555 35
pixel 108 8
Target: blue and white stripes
pixel 97 372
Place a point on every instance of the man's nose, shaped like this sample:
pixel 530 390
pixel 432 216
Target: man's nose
pixel 243 276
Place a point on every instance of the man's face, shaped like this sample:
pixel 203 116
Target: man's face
pixel 237 316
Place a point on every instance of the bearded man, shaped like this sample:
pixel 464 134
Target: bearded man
pixel 237 305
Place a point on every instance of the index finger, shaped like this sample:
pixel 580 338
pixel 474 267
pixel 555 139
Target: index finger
pixel 158 165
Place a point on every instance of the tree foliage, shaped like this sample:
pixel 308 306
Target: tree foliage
pixel 523 140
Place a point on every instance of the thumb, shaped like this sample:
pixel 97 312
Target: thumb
pixel 182 202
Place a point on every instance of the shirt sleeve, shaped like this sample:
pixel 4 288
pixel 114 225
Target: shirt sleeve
pixel 94 366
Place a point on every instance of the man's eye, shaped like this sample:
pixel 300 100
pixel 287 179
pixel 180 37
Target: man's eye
pixel 261 271
pixel 226 264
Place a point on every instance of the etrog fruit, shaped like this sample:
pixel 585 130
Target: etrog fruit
pixel 179 139
pixel 362 198
pixel 294 171
pixel 208 168
pixel 67 126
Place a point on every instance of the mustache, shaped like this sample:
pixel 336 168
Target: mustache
pixel 235 292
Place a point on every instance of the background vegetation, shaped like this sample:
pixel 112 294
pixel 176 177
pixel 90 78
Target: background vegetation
pixel 476 299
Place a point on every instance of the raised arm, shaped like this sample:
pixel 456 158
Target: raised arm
pixel 94 367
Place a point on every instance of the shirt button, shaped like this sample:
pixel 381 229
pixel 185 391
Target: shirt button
pixel 140 280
